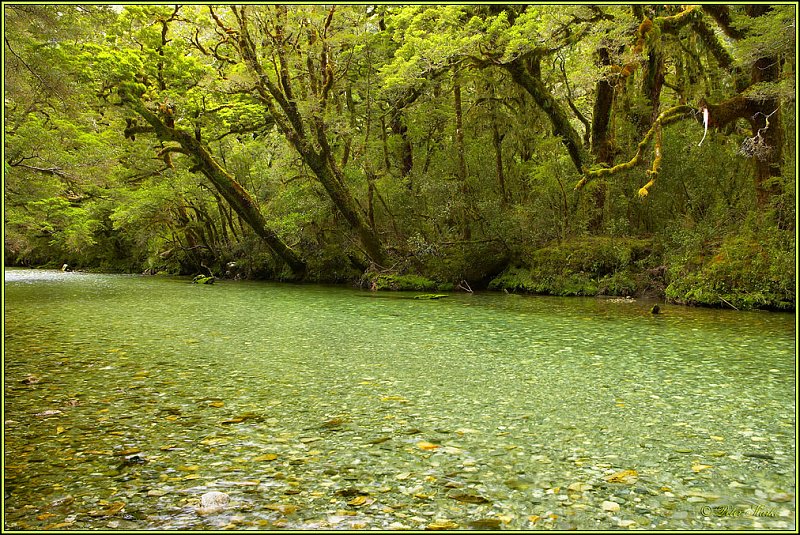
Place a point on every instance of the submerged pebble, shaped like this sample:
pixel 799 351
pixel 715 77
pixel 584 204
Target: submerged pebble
pixel 213 502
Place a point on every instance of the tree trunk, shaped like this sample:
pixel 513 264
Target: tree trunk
pixel 461 162
pixel 602 150
pixel 601 145
pixel 768 164
pixel 282 107
pixel 529 78
pixel 333 183
pixel 225 184
pixel 399 128
pixel 497 141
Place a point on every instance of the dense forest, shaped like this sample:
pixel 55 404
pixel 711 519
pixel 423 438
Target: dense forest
pixel 570 150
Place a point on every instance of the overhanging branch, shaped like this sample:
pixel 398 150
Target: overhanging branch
pixel 667 117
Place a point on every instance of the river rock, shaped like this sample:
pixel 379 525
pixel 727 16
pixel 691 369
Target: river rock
pixel 213 502
pixel 611 507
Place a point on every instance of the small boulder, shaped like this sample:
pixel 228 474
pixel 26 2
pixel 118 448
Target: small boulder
pixel 213 502
pixel 611 507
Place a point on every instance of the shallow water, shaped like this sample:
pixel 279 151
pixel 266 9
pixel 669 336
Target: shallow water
pixel 128 397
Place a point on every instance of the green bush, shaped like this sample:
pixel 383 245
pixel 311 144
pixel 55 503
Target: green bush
pixel 582 266
pixel 746 273
pixel 380 281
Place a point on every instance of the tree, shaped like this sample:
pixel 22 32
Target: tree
pixel 758 101
pixel 314 73
pixel 151 88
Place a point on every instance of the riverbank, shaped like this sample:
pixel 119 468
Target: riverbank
pixel 739 275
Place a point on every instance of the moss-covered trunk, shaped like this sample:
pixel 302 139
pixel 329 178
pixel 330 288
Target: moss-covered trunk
pixel 526 72
pixel 227 186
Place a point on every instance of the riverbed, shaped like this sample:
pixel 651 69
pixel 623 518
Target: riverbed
pixel 127 398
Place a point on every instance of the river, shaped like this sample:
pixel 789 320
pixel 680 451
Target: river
pixel 127 398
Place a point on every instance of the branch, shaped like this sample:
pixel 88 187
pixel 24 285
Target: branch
pixel 713 43
pixel 165 153
pixel 53 171
pixel 586 124
pixel 673 23
pixel 529 78
pixel 722 16
pixel 654 169
pixel 44 84
pixel 667 117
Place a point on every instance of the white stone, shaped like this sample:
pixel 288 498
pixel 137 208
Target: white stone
pixel 213 502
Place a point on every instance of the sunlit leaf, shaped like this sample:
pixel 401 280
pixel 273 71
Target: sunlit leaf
pixel 128 451
pixel 699 467
pixel 189 468
pixel 359 501
pixel 232 421
pixel 468 498
pixel 283 508
pixel 400 399
pixel 441 524
pixel 627 477
pixel 111 510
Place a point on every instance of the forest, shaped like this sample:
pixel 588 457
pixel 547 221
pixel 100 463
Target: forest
pixel 621 150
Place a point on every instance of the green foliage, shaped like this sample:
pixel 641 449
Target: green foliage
pixel 771 34
pixel 382 281
pixel 585 266
pixel 754 269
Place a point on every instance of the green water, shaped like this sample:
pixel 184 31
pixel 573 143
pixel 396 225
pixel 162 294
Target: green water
pixel 318 407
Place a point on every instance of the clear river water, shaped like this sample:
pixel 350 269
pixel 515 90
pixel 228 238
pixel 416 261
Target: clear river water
pixel 129 398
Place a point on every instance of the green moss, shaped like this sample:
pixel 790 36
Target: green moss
pixel 586 266
pixel 395 282
pixel 746 273
pixel 620 283
pixel 597 255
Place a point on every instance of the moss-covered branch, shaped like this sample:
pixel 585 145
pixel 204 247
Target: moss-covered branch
pixel 667 117
pixel 656 166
